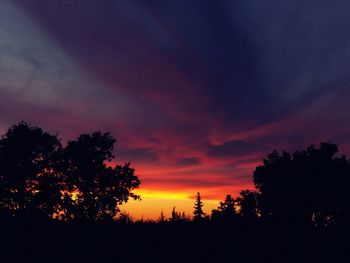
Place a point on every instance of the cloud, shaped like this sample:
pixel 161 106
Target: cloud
pixel 230 149
pixel 243 66
pixel 138 154
pixel 188 161
pixel 189 88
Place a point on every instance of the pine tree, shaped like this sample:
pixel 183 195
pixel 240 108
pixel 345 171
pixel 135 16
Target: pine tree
pixel 198 213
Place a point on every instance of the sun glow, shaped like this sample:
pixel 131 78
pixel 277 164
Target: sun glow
pixel 164 195
pixel 154 201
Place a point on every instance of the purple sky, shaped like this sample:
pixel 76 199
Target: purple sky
pixel 196 92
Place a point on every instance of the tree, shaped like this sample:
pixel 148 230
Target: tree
pixel 198 213
pixel 308 184
pixel 247 204
pixel 271 180
pixel 178 216
pixel 28 181
pixel 100 188
pixel 226 210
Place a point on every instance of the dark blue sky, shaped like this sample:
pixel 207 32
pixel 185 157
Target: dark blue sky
pixel 196 92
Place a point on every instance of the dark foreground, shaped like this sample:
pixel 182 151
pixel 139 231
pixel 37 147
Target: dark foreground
pixel 183 242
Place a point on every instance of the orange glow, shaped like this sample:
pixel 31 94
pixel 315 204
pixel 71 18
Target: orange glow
pixel 162 195
pixel 154 201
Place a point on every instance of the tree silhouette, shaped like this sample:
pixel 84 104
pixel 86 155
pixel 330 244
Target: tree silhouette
pixel 28 181
pixel 198 213
pixel 271 179
pixel 100 188
pixel 178 216
pixel 306 185
pixel 226 210
pixel 247 204
pixel 40 178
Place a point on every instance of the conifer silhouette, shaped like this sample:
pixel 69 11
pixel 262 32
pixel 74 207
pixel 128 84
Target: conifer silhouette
pixel 198 213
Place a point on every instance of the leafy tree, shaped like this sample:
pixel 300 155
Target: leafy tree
pixel 100 188
pixel 28 181
pixel 215 215
pixel 226 210
pixel 198 213
pixel 271 180
pixel 308 184
pixel 247 204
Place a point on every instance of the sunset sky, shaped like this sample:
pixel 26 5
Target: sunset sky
pixel 195 92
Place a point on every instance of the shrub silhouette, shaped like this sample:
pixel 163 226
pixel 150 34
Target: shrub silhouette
pixel 162 218
pixel 125 218
pixel 178 216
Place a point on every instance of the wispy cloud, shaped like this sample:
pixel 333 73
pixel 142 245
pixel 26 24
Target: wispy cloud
pixel 196 92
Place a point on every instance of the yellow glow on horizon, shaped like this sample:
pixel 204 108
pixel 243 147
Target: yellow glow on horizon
pixel 164 195
pixel 154 201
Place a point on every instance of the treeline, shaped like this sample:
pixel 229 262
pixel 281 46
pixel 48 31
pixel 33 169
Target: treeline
pixel 39 178
pixel 306 188
pixel 309 187
pixel 243 207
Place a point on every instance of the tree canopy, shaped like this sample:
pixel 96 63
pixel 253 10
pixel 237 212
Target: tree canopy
pixel 40 177
pixel 304 185
pixel 100 188
pixel 226 209
pixel 28 184
pixel 247 203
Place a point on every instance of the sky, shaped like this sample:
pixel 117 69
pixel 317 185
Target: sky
pixel 195 92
